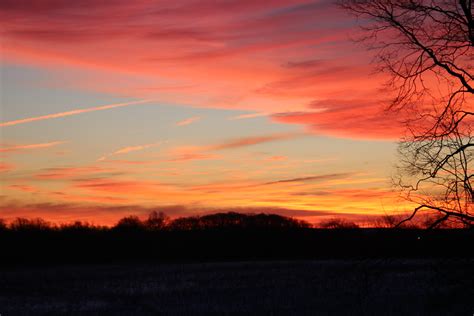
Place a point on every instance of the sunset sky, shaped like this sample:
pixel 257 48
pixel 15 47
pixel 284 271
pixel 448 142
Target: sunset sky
pixel 111 108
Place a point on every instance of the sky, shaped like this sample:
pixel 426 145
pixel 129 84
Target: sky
pixel 112 108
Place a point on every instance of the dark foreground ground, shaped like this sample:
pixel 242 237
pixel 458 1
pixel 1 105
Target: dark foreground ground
pixel 316 287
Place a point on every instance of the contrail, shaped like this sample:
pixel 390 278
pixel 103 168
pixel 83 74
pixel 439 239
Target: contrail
pixel 31 146
pixel 69 113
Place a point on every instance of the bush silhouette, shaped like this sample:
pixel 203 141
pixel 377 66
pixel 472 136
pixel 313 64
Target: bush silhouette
pixel 36 224
pixel 336 223
pixel 130 223
pixel 78 226
pixel 3 224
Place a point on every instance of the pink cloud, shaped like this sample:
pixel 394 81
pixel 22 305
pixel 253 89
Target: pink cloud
pixel 348 118
pixel 261 56
pixel 188 121
pixel 30 146
pixel 128 149
pixel 248 116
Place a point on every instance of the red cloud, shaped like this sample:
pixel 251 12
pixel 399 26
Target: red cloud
pixel 348 118
pixel 265 56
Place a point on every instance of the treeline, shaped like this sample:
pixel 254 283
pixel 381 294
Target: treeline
pixel 158 221
pixel 218 237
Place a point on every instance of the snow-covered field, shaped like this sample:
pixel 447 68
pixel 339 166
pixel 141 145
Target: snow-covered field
pixel 323 287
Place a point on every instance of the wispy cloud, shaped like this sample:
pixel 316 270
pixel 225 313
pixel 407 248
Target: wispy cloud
pixel 23 188
pixel 189 153
pixel 31 146
pixel 70 113
pixel 254 140
pixel 323 177
pixel 191 156
pixel 188 121
pixel 135 148
pixel 128 149
pixel 342 118
pixel 249 116
pixel 72 172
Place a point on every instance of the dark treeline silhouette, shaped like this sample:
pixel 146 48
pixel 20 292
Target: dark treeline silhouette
pixel 158 221
pixel 221 237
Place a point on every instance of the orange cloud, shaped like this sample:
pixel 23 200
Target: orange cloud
pixel 323 177
pixel 248 116
pixel 110 214
pixel 72 172
pixel 276 158
pixel 128 149
pixel 5 167
pixel 130 162
pixel 329 192
pixel 188 121
pixel 130 187
pixel 70 113
pixel 180 155
pixel 31 146
pixel 72 211
pixel 135 148
pixel 23 187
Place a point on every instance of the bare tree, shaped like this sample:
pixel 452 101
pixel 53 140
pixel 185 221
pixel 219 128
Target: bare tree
pixel 427 48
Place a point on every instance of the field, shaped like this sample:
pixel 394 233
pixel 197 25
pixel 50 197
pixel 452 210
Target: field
pixel 317 287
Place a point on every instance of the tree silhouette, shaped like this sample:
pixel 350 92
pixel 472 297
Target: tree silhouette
pixel 156 220
pixel 336 223
pixel 426 47
pixel 129 223
pixel 35 224
pixel 232 220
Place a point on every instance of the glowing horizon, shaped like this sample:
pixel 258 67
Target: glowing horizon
pixel 120 108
